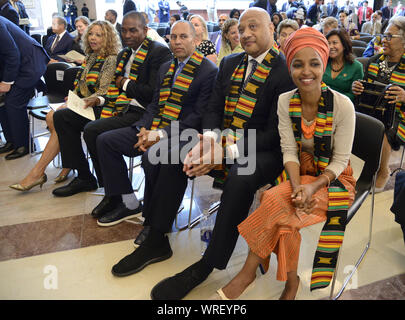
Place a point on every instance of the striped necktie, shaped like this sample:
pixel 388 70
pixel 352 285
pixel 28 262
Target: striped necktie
pixel 55 43
pixel 254 66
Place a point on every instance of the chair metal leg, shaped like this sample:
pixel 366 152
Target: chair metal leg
pixel 362 254
pixel 189 211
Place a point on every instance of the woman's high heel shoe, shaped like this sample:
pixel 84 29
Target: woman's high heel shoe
pixel 39 182
pixel 248 288
pixel 62 178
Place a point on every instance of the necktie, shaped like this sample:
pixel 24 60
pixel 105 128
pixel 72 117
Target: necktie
pixel 179 68
pixel 55 43
pixel 254 66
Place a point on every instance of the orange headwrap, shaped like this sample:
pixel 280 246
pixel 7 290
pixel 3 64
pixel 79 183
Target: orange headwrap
pixel 306 37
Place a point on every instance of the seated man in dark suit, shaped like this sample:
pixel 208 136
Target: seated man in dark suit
pixel 245 97
pixel 187 81
pixel 129 93
pixel 7 11
pixel 60 42
pixel 22 63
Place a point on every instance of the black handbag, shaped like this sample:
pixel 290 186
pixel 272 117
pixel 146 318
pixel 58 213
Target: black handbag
pixel 373 103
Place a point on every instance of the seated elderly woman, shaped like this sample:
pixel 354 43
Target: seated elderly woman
pixel 316 126
pixel 101 46
pixel 342 68
pixel 230 41
pixel 284 29
pixel 389 68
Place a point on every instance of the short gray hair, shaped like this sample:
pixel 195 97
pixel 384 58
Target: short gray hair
pixel 191 26
pixel 287 23
pixel 399 22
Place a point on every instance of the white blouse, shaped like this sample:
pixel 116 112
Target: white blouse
pixel 343 128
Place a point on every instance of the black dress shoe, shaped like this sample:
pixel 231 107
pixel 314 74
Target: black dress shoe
pixel 141 236
pixel 153 249
pixel 17 153
pixel 109 203
pixel 75 186
pixel 7 147
pixel 118 215
pixel 178 286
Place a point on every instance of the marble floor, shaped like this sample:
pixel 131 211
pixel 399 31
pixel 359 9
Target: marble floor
pixel 51 248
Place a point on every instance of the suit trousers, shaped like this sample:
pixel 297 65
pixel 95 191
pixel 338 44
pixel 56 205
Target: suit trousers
pixel 14 118
pixel 165 185
pixel 165 182
pixel 111 147
pixel 69 126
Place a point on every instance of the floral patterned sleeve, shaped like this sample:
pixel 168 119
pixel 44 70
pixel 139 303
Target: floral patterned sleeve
pixel 207 47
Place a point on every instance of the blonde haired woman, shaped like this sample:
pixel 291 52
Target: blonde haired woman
pixel 205 46
pixel 230 39
pixel 101 46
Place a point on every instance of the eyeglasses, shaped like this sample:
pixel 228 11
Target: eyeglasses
pixel 390 36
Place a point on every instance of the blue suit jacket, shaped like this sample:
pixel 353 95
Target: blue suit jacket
pixel 10 13
pixel 63 47
pixel 22 59
pixel 195 102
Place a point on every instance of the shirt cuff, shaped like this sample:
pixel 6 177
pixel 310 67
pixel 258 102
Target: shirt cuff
pixel 5 82
pixel 102 101
pixel 124 87
pixel 161 134
pixel 232 152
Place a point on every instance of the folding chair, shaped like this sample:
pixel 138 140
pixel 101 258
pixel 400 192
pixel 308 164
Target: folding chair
pixel 368 148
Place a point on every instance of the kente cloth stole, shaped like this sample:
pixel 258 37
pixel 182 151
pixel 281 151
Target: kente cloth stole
pixel 91 77
pixel 332 233
pixel 239 104
pixel 116 101
pixel 397 78
pixel 171 97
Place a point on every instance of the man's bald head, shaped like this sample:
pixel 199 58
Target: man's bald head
pixel 256 31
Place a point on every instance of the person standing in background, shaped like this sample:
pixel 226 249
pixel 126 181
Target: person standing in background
pixel 66 11
pixel 164 11
pixel 212 10
pixel 129 5
pixel 73 14
pixel 85 10
pixel 23 61
pixel 22 13
pixel 8 12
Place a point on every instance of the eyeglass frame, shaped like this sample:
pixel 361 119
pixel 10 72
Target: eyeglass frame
pixel 390 36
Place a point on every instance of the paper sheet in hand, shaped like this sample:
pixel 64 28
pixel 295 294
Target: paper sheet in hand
pixel 72 56
pixel 55 106
pixel 76 104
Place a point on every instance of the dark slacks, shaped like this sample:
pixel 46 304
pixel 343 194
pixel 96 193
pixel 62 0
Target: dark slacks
pixel 69 126
pixel 14 118
pixel 165 185
pixel 111 146
pixel 165 182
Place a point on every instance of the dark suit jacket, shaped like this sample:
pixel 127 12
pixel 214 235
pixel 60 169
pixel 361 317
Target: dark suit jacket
pixel 195 101
pixel 22 59
pixel 63 47
pixel 10 13
pixel 129 5
pixel 142 89
pixel 264 117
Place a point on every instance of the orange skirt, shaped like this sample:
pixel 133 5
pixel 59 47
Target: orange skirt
pixel 274 227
